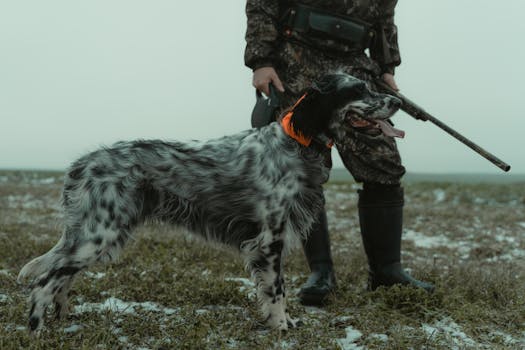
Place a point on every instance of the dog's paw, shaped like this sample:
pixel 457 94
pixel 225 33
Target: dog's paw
pixel 276 322
pixel 293 322
pixel 36 324
pixel 61 312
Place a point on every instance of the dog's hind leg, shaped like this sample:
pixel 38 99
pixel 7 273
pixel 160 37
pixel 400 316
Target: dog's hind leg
pixel 53 285
pixel 49 287
pixel 61 299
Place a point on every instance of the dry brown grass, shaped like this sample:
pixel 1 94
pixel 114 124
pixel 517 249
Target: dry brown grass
pixel 467 239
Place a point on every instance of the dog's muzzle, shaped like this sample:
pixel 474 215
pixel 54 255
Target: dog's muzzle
pixel 376 126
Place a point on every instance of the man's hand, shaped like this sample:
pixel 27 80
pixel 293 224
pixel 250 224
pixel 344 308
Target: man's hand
pixel 389 79
pixel 264 76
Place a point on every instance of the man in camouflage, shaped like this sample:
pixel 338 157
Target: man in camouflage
pixel 291 60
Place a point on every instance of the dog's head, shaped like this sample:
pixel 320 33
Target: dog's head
pixel 340 100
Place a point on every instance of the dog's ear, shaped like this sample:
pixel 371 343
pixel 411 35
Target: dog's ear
pixel 311 116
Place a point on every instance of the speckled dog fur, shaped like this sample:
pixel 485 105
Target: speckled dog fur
pixel 257 191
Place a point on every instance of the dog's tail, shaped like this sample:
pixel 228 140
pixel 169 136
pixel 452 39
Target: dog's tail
pixel 40 265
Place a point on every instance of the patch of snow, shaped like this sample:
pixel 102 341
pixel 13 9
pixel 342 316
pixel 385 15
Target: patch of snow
pixel 479 200
pixel 518 253
pixel 287 344
pixel 246 282
pixel 116 330
pixel 97 275
pixel 453 334
pixel 45 181
pixel 119 306
pixel 3 298
pixel 510 256
pixel 522 224
pixel 420 240
pixel 508 339
pixel 26 201
pixel 503 238
pixel 247 286
pixel 232 343
pixel 343 196
pixel 13 327
pixel 215 308
pixel 379 336
pixel 439 195
pixel 343 224
pixel 5 272
pixel 73 328
pixel 314 310
pixel 349 343
pixel 123 339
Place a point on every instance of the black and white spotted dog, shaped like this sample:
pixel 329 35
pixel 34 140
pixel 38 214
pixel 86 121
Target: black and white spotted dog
pixel 257 191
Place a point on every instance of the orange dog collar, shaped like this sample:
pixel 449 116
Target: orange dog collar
pixel 286 124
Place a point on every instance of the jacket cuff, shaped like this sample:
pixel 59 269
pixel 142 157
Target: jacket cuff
pixel 261 64
pixel 391 69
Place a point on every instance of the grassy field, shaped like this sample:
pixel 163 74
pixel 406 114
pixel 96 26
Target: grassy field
pixel 170 292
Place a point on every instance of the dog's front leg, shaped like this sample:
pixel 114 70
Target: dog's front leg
pixel 266 267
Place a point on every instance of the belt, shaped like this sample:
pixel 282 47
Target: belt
pixel 307 20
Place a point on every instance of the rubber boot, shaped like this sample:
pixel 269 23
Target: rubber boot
pixel 381 221
pixel 321 281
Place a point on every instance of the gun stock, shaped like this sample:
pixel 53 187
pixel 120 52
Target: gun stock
pixel 419 113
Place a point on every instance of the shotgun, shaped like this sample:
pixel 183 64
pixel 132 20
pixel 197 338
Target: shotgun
pixel 419 113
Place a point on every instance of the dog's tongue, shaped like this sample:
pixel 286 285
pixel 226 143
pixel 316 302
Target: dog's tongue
pixel 389 130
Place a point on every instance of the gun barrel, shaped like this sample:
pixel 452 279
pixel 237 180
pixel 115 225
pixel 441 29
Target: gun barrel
pixel 475 147
pixel 419 113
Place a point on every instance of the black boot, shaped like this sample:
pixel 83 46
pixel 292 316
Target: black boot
pixel 381 221
pixel 321 281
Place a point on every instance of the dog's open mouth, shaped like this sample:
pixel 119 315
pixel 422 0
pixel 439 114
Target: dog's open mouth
pixel 375 126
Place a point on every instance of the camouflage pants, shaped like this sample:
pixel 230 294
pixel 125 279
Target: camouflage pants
pixel 373 159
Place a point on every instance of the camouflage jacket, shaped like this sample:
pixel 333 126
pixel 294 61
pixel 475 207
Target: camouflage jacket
pixel 263 40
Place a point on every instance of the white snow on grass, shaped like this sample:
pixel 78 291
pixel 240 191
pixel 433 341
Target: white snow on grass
pixel 420 240
pixel 509 340
pixel 14 327
pixel 451 334
pixel 247 286
pixel 95 275
pixel 73 328
pixel 349 343
pixel 512 255
pixel 45 181
pixel 3 298
pixel 127 307
pixel 378 336
pixel 439 195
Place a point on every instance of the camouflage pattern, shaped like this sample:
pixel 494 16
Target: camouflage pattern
pixel 264 42
pixel 369 158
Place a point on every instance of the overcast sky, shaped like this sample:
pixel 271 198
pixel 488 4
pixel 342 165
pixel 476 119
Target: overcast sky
pixel 75 75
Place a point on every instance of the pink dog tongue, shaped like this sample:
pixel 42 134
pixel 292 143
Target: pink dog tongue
pixel 389 130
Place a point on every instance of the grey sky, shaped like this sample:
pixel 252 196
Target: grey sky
pixel 75 75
